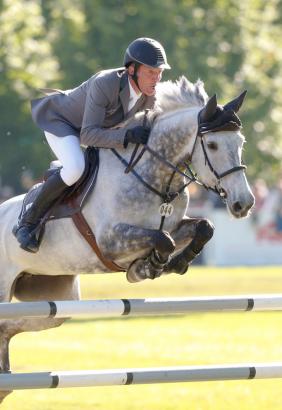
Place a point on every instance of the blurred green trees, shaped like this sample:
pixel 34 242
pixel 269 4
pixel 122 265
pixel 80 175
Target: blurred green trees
pixel 230 45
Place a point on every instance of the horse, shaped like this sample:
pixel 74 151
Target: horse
pixel 139 217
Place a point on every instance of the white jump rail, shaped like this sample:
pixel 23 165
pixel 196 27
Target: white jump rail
pixel 61 379
pixel 140 307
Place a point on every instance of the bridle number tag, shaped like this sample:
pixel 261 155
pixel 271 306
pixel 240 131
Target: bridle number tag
pixel 166 209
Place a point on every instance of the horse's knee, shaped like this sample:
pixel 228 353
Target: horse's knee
pixel 204 232
pixel 164 244
pixel 204 229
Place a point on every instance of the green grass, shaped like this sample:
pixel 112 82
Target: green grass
pixel 207 338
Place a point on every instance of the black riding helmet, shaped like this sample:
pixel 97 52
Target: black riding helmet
pixel 145 51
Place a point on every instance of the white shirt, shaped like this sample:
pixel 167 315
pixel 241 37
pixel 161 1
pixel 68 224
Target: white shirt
pixel 133 97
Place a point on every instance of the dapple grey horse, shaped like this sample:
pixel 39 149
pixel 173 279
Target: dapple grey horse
pixel 124 209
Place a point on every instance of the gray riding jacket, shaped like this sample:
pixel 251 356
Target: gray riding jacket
pixel 90 110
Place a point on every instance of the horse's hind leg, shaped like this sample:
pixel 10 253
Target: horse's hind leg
pixel 198 232
pixel 4 356
pixel 9 273
pixel 9 328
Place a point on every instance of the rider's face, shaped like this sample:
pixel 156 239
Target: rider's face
pixel 148 78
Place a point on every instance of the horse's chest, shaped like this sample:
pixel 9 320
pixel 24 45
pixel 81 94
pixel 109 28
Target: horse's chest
pixel 170 215
pixel 150 210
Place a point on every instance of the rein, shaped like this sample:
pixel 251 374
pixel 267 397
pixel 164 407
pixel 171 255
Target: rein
pixel 133 161
pixel 166 209
pixel 166 196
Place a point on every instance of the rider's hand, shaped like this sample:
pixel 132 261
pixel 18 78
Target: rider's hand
pixel 136 135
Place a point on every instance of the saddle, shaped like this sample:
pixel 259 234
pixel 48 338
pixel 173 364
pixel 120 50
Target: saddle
pixel 70 204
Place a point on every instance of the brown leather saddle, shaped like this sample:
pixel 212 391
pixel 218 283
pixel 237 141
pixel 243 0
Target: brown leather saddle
pixel 70 204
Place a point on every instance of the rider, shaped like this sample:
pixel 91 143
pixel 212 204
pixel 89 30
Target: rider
pixel 85 115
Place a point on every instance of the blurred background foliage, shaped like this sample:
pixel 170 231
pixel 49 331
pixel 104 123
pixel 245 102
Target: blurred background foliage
pixel 230 45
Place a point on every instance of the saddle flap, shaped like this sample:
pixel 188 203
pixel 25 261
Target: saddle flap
pixel 73 199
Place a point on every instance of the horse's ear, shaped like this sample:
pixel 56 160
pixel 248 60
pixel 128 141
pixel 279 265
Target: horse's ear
pixel 209 109
pixel 235 104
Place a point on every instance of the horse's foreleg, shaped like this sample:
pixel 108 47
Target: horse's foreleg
pixel 195 231
pixel 31 288
pixel 125 243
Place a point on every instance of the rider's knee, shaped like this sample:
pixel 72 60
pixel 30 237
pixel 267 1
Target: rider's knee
pixel 74 171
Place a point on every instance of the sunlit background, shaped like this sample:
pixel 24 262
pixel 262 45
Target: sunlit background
pixel 230 45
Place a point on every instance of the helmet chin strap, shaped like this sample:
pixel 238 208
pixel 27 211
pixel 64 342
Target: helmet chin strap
pixel 134 75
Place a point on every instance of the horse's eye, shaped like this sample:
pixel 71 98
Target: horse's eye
pixel 212 145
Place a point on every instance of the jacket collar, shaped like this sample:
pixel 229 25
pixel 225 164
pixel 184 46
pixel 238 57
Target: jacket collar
pixel 124 91
pixel 124 94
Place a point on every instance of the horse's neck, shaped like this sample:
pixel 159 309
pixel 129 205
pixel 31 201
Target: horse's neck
pixel 174 134
pixel 172 137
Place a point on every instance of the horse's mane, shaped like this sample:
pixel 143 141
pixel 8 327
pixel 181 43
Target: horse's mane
pixel 179 94
pixel 172 95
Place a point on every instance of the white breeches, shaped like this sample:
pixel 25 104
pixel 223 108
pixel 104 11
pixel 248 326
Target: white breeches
pixel 69 153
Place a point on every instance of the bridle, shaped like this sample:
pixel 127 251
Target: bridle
pixel 202 130
pixel 169 196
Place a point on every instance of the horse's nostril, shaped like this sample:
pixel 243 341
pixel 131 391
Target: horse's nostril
pixel 237 207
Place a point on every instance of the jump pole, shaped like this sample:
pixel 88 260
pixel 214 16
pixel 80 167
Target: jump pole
pixel 46 380
pixel 139 307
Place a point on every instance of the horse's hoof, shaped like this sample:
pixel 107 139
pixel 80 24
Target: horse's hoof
pixel 135 272
pixel 4 393
pixel 179 267
pixel 181 270
pixel 142 269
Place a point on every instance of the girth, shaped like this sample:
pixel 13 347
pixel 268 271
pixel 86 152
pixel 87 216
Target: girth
pixel 87 233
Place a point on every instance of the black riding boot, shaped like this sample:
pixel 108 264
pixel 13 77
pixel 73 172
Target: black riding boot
pixel 25 230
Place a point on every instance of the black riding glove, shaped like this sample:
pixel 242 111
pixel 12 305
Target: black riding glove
pixel 136 135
